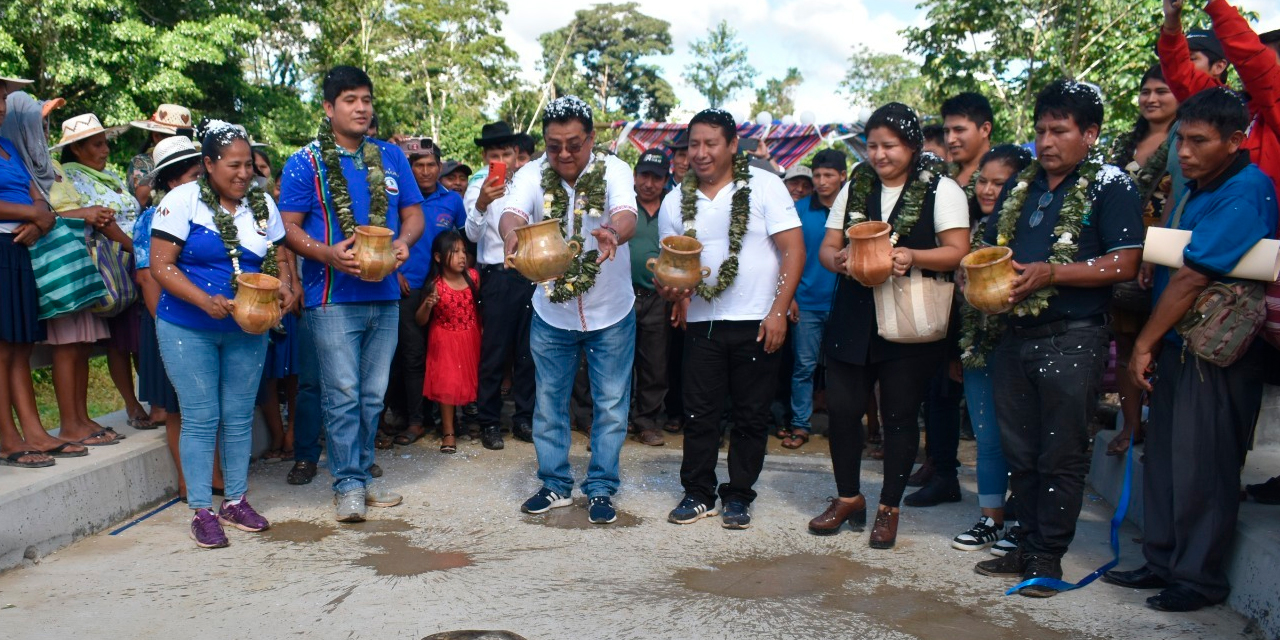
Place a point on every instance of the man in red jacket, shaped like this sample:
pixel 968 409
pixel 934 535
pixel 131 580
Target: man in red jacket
pixel 1256 65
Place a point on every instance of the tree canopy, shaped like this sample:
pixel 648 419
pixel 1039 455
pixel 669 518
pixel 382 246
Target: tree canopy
pixel 719 68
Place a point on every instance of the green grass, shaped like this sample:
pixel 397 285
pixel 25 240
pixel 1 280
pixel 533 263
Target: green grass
pixel 103 398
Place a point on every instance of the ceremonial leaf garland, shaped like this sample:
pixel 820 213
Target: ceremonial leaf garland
pixel 1075 208
pixel 337 183
pixel 589 194
pixel 979 333
pixel 739 216
pixel 226 223
pixel 928 171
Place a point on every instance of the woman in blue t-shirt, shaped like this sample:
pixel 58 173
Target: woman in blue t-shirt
pixel 214 366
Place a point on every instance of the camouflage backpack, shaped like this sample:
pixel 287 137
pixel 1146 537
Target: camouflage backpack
pixel 1223 322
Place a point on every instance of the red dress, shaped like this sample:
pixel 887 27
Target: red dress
pixel 453 346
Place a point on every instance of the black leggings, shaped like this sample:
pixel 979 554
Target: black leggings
pixel 903 383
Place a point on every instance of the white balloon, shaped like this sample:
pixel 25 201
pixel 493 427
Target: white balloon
pixel 764 118
pixel 808 117
pixel 788 120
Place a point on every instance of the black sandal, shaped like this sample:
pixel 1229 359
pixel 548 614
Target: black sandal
pixel 448 448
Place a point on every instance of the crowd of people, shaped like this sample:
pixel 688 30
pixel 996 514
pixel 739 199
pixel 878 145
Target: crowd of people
pixel 147 266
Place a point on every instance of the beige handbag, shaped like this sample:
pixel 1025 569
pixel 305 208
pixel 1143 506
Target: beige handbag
pixel 913 309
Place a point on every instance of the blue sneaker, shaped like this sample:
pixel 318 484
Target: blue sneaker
pixel 601 510
pixel 691 510
pixel 545 500
pixel 737 515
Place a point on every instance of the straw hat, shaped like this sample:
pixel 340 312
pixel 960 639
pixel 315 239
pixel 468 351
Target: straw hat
pixel 168 118
pixel 79 128
pixel 169 151
pixel 15 84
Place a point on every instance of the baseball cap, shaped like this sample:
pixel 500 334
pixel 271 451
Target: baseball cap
pixel 798 171
pixel 830 159
pixel 453 165
pixel 653 162
pixel 1206 41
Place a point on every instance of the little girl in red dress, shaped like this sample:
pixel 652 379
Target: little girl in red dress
pixel 453 338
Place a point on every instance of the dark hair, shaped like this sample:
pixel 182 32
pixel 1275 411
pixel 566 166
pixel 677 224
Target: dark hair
pixel 443 244
pixel 1015 156
pixel 718 118
pixel 1141 127
pixel 344 78
pixel 173 172
pixel 524 143
pixel 259 153
pixel 973 106
pixel 563 110
pixel 1066 98
pixel 1219 107
pixel 216 136
pixel 148 144
pixel 901 120
pixel 936 134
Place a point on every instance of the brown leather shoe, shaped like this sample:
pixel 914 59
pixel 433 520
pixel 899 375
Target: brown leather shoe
pixel 651 437
pixel 885 531
pixel 839 512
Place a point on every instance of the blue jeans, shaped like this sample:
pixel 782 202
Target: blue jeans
pixel 354 344
pixel 993 471
pixel 216 375
pixel 808 343
pixel 308 423
pixel 610 352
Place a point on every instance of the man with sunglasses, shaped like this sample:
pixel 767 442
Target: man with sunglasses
pixel 597 319
pixel 441 210
pixel 1048 368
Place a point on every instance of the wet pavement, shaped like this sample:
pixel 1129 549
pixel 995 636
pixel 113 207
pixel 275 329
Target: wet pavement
pixel 458 556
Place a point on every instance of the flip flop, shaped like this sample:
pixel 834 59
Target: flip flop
pixel 119 436
pixel 60 451
pixel 141 423
pixel 12 459
pixel 99 434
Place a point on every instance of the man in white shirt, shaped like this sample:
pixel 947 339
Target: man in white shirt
pixel 737 322
pixel 589 310
pixel 505 309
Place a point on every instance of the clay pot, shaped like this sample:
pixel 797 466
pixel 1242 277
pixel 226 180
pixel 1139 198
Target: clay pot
pixel 256 307
pixel 989 278
pixel 869 261
pixel 374 252
pixel 679 263
pixel 541 252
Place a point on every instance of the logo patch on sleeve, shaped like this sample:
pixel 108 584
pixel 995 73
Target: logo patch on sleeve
pixel 393 188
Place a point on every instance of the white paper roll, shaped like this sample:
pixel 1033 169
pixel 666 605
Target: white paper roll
pixel 1165 247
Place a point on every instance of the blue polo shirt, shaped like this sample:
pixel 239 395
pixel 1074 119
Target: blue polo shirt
pixel 302 187
pixel 441 211
pixel 817 284
pixel 1226 218
pixel 1113 222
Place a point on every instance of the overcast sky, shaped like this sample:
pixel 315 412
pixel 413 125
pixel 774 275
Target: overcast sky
pixel 815 36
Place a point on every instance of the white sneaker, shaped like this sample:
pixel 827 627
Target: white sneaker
pixel 981 535
pixel 1007 544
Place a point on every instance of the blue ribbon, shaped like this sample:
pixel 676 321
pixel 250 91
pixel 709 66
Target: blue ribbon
pixel 1116 520
pixel 151 513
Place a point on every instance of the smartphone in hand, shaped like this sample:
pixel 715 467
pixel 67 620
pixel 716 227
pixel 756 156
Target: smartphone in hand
pixel 497 173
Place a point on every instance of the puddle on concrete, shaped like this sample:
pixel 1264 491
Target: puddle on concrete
pixel 801 574
pixel 575 517
pixel 922 614
pixel 297 531
pixel 402 559
pixel 390 525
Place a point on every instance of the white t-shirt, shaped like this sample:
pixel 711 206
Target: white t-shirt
pixel 611 298
pixel 759 263
pixel 482 226
pixel 950 205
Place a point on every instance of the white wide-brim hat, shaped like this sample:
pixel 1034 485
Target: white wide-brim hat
pixel 170 151
pixel 15 84
pixel 167 119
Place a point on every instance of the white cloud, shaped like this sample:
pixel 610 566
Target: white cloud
pixel 816 36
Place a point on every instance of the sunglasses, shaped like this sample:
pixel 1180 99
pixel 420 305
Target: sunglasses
pixel 1038 216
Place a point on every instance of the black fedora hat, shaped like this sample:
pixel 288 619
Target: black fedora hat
pixel 496 133
pixel 680 141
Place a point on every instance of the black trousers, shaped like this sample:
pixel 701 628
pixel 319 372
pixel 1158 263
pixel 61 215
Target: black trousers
pixel 1199 428
pixel 653 326
pixel 903 383
pixel 723 360
pixel 409 364
pixel 506 309
pixel 942 422
pixel 1046 391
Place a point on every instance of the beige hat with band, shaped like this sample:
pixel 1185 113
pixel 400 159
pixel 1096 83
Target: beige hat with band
pixel 168 118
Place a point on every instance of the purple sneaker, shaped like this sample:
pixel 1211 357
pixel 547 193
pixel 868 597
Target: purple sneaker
pixel 206 530
pixel 242 516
